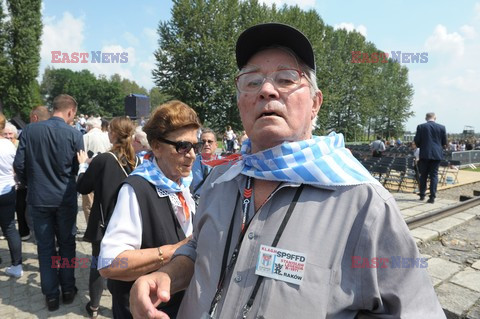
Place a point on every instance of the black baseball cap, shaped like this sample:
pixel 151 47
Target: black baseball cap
pixel 264 35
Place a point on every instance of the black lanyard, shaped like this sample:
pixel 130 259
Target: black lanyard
pixel 246 204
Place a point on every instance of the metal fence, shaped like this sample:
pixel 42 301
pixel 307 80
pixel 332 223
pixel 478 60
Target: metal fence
pixel 467 157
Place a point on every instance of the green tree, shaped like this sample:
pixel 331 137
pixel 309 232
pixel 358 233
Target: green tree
pixel 394 106
pixel 3 56
pixel 23 34
pixel 95 96
pixel 128 87
pixel 196 64
pixel 194 61
pixel 157 97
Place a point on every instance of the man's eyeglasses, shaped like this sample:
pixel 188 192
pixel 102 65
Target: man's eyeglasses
pixel 284 80
pixel 207 141
pixel 182 147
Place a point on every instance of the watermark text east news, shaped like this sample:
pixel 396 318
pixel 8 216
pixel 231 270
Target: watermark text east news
pixel 94 262
pixel 382 57
pixel 392 262
pixel 83 57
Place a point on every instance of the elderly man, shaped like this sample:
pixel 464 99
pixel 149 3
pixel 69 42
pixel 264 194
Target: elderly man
pixel 46 163
pixel 140 143
pixel 200 170
pixel 95 142
pixel 297 228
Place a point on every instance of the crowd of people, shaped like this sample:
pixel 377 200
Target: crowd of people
pixel 274 230
pixel 66 155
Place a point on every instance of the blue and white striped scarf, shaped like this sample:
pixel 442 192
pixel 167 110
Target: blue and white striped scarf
pixel 151 172
pixel 321 161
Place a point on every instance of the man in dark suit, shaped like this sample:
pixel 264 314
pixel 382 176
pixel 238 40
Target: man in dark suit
pixel 431 138
pixel 46 161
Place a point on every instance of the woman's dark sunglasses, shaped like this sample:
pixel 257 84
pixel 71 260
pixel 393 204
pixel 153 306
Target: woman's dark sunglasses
pixel 182 147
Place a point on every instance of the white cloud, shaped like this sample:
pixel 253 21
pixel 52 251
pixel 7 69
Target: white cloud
pixel 465 82
pixel 68 35
pixel 131 39
pixel 476 10
pixel 448 84
pixel 351 27
pixel 444 42
pixel 301 3
pixel 151 37
pixel 468 31
pixel 145 73
pixel 64 35
pixel 109 69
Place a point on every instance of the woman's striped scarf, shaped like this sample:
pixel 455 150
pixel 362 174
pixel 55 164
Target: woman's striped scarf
pixel 150 171
pixel 321 160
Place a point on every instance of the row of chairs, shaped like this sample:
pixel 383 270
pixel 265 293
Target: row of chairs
pixel 396 173
pixel 364 151
pixel 401 174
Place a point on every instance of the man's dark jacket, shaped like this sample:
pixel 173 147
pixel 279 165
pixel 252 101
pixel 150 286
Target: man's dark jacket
pixel 46 161
pixel 431 138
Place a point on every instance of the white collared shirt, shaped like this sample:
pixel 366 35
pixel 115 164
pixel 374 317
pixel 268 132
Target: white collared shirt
pixel 124 231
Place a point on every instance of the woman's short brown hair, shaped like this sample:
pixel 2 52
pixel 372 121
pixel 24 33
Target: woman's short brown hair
pixel 169 117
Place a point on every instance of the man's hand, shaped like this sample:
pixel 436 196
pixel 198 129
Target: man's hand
pixel 147 293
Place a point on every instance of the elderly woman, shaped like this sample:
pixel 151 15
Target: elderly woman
pixel 7 203
pixel 103 176
pixel 10 132
pixel 153 214
pixel 140 142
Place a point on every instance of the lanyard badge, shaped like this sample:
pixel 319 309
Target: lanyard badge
pixel 293 264
pixel 281 264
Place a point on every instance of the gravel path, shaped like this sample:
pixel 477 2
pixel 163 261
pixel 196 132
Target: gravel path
pixel 455 192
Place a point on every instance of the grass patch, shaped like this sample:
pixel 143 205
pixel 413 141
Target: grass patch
pixel 472 169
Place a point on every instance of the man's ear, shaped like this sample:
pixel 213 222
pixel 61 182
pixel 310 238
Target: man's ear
pixel 69 116
pixel 317 103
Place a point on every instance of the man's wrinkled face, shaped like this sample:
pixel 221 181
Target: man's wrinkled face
pixel 272 116
pixel 209 144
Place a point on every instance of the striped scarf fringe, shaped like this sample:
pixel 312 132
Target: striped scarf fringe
pixel 150 171
pixel 320 161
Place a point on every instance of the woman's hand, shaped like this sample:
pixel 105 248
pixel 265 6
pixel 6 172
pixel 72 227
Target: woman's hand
pixel 82 157
pixel 169 250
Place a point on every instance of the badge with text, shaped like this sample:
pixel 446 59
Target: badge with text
pixel 281 264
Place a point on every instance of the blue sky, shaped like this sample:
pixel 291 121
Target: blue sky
pixel 449 84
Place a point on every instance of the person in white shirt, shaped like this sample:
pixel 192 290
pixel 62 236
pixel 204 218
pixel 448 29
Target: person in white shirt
pixel 230 139
pixel 7 203
pixel 95 142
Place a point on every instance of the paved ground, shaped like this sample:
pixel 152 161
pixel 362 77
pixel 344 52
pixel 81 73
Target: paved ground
pixel 458 286
pixel 23 298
